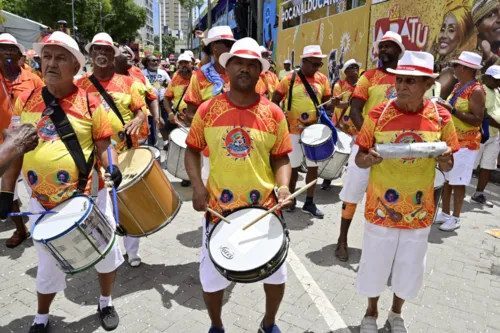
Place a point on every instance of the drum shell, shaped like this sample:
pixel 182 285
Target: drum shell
pixel 320 151
pixel 438 191
pixel 149 203
pixel 334 167
pixel 175 159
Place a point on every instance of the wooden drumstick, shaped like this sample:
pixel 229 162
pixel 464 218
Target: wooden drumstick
pixel 275 208
pixel 184 128
pixel 331 99
pixel 211 211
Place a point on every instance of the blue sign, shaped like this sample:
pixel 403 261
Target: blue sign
pixel 270 28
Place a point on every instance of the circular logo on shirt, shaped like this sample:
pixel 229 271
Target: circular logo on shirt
pixel 304 116
pixel 391 93
pixel 46 129
pixel 238 143
pixel 408 137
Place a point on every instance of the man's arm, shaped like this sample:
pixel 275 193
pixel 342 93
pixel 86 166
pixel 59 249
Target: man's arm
pixel 8 154
pixel 367 158
pixel 282 173
pixel 476 108
pixel 493 122
pixel 18 140
pixel 191 111
pixel 356 113
pixel 167 103
pixel 153 107
pixel 192 163
pixel 102 152
pixel 277 98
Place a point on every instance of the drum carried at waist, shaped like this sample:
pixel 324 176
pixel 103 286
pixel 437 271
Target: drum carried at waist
pixel 334 167
pixel 175 155
pixel 317 142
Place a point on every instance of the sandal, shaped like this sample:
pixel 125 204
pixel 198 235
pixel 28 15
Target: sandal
pixel 341 252
pixel 16 239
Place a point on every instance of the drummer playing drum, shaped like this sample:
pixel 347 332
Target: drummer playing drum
pixel 55 173
pixel 251 129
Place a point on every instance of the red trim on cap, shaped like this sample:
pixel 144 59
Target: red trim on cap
pixel 3 41
pixel 102 42
pixel 247 52
pixel 415 68
pixel 52 41
pixel 313 54
pixel 223 36
pixel 468 62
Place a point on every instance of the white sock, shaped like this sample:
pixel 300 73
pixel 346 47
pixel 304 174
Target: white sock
pixel 105 301
pixel 41 319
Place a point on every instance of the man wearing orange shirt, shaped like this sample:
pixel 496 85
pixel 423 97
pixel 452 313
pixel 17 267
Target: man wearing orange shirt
pixel 14 81
pixel 374 87
pixel 270 79
pixel 400 198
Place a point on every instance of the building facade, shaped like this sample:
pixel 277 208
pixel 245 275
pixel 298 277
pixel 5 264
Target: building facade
pixel 174 22
pixel 146 32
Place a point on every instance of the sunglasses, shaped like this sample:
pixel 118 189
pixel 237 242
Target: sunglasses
pixel 9 49
pixel 314 64
pixel 154 60
pixel 352 67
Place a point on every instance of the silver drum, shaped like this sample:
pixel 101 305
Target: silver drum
pixel 334 167
pixel 175 155
pixel 78 236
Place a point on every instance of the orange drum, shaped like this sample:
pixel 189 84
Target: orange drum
pixel 147 202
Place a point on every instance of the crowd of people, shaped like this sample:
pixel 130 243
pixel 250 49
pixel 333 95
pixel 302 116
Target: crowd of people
pixel 244 149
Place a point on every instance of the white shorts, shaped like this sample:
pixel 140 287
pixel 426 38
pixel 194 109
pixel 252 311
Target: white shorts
pixel 212 281
pixel 463 165
pixel 399 253
pixel 488 154
pixel 49 278
pixel 297 155
pixel 355 180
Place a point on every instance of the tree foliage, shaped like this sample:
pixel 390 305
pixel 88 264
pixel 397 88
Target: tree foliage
pixel 168 45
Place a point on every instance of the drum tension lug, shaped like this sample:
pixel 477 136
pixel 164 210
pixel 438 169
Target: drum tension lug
pixel 120 230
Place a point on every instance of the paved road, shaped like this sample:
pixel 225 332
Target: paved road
pixel 461 292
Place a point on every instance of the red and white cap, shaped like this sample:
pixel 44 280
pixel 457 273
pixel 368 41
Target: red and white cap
pixel 264 49
pixel 102 38
pixel 415 63
pixel 493 71
pixel 222 32
pixel 312 51
pixel 61 39
pixel 469 59
pixel 8 39
pixel 246 48
pixel 391 36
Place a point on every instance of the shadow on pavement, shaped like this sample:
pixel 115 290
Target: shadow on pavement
pixel 192 239
pixel 22 325
pixel 326 257
pixel 437 236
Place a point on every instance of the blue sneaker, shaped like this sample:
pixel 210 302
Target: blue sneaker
pixel 216 330
pixel 313 210
pixel 272 329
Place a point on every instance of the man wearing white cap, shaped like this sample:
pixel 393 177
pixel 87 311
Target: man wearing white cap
pixel 374 87
pixel 88 131
pixel 124 103
pixel 257 142
pixel 400 197
pixel 287 64
pixel 466 104
pixel 270 79
pixel 488 153
pixel 301 112
pixel 14 81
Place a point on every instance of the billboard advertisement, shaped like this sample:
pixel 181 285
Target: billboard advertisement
pixel 270 26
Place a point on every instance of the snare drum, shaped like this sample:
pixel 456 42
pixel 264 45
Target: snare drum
pixel 156 152
pixel 248 255
pixel 147 202
pixel 334 167
pixel 438 191
pixel 78 236
pixel 175 155
pixel 317 142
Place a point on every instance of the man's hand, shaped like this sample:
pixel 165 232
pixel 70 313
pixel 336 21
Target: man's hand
pixel 373 158
pixel 6 203
pixel 134 126
pixel 160 122
pixel 24 137
pixel 200 198
pixel 445 104
pixel 445 157
pixel 284 193
pixel 113 178
pixel 489 58
pixel 335 100
pixel 172 118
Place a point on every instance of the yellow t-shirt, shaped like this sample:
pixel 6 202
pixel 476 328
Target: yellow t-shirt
pixel 345 123
pixel 493 107
pixel 375 87
pixel 174 92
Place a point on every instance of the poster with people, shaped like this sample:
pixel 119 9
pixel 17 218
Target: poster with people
pixel 270 26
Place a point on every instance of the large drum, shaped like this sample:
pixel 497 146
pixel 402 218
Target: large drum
pixel 147 202
pixel 438 191
pixel 175 156
pixel 334 167
pixel 318 143
pixel 156 152
pixel 78 236
pixel 248 255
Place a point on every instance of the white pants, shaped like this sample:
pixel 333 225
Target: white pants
pixel 488 154
pixel 297 155
pixel 131 245
pixel 400 253
pixel 355 180
pixel 212 281
pixel 205 168
pixel 463 165
pixel 49 278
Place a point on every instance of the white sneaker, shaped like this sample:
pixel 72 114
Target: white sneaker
pixel 369 325
pixel 442 218
pixel 397 323
pixel 453 223
pixel 134 261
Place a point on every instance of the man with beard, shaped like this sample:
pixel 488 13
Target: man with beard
pixel 466 104
pixel 124 105
pixel 486 16
pixel 241 113
pixel 14 81
pixel 374 87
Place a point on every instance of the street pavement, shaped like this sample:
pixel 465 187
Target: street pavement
pixel 461 291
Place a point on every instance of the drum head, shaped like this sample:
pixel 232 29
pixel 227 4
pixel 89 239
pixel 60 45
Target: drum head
pixel 315 134
pixel 179 137
pixel 133 164
pixel 70 213
pixel 439 179
pixel 238 250
pixel 156 152
pixel 344 143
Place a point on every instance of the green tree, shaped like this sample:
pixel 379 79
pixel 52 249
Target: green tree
pixel 189 5
pixel 168 44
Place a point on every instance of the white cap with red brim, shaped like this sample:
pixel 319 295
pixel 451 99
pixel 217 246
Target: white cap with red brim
pixel 222 32
pixel 246 48
pixel 415 63
pixel 312 51
pixel 469 59
pixel 102 38
pixel 8 39
pixel 391 36
pixel 59 38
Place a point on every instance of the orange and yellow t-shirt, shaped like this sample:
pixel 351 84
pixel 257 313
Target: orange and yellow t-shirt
pixel 50 170
pixel 126 94
pixel 469 136
pixel 272 82
pixel 26 81
pixel 303 112
pixel 401 191
pixel 375 87
pixel 175 91
pixel 149 92
pixel 200 89
pixel 345 123
pixel 240 142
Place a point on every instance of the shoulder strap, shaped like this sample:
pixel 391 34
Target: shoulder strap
pixel 68 137
pixel 111 103
pixel 182 97
pixel 290 90
pixel 309 89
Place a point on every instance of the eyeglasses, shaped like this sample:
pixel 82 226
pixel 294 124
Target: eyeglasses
pixel 154 60
pixel 4 49
pixel 352 67
pixel 314 64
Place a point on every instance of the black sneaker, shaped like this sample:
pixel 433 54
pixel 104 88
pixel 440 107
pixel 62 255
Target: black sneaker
pixel 292 207
pixel 481 199
pixel 185 183
pixel 39 328
pixel 313 210
pixel 109 318
pixel 326 184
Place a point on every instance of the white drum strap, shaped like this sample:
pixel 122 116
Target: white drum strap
pixel 95 184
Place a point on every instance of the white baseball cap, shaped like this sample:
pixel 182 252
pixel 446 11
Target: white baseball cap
pixel 59 38
pixel 184 57
pixel 246 48
pixel 102 38
pixel 415 63
pixel 222 32
pixel 493 71
pixel 11 40
pixel 287 62
pixel 349 63
pixel 312 51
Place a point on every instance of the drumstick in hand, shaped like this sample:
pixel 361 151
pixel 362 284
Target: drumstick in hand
pixel 275 208
pixel 211 211
pixel 331 99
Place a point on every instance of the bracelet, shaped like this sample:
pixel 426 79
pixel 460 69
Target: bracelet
pixel 282 188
